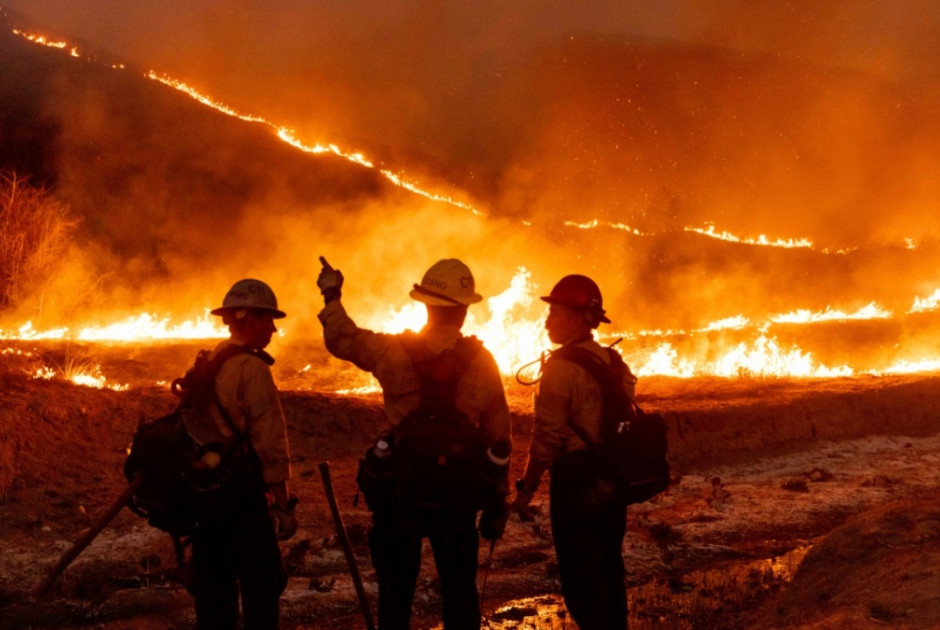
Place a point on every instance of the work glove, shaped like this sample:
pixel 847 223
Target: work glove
pixel 285 521
pixel 330 281
pixel 493 520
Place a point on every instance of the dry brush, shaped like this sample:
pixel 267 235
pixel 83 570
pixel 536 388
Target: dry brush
pixel 35 231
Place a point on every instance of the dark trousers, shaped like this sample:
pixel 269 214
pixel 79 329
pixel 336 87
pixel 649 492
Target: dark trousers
pixel 239 552
pixel 395 545
pixel 588 535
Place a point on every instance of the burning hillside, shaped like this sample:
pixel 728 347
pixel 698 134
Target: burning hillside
pixel 168 180
pixel 761 224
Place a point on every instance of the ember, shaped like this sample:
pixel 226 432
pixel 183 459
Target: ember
pixel 753 189
pixel 784 344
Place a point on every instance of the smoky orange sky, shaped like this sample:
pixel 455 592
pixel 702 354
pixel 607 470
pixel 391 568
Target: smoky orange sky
pixel 792 119
pixel 483 90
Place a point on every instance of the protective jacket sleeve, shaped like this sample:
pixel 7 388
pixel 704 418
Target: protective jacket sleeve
pixel 494 420
pixel 246 388
pixel 345 340
pixel 567 393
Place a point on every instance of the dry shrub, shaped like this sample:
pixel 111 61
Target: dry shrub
pixel 34 233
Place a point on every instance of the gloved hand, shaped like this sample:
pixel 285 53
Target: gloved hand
pixel 330 281
pixel 493 520
pixel 285 522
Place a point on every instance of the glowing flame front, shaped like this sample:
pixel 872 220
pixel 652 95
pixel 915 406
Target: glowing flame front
pixel 512 326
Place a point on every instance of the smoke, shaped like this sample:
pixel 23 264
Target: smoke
pixel 663 137
pixel 792 120
pixel 451 79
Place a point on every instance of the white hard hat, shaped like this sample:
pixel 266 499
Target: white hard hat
pixel 447 283
pixel 250 294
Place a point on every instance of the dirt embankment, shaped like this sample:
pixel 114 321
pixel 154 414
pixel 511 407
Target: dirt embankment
pixel 736 423
pixel 759 471
pixel 878 570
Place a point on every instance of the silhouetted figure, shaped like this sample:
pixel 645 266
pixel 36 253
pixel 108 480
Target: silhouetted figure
pixel 588 517
pixel 235 550
pixel 444 452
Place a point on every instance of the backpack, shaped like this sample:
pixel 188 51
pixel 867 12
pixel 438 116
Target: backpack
pixel 437 454
pixel 631 452
pixel 183 484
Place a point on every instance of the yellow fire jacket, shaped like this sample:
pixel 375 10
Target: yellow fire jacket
pixel 247 391
pixel 480 392
pixel 568 393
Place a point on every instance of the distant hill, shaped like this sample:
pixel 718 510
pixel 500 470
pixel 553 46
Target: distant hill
pixel 653 133
pixel 139 161
pixel 661 135
pixel 177 199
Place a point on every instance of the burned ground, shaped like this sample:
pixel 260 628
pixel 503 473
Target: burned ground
pixel 791 500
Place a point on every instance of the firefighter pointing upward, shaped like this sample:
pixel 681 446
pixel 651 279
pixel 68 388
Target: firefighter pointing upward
pixel 444 451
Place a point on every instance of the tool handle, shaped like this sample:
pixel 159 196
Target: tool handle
pixel 89 536
pixel 344 540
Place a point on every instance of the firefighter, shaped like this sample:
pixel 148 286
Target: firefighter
pixel 399 521
pixel 237 552
pixel 588 523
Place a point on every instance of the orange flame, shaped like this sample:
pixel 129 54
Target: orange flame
pixel 594 223
pixel 44 41
pixel 512 338
pixel 284 133
pixel 289 136
pixel 929 303
pixel 511 331
pixel 760 240
pixel 870 311
pixel 512 328
pixel 144 327
pixel 86 378
pixel 763 357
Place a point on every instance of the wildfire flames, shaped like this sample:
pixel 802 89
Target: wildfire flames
pixel 288 136
pixel 144 327
pixel 760 240
pixel 511 324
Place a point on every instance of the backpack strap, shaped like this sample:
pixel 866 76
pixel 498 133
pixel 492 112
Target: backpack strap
pixel 193 389
pixel 226 353
pixel 439 374
pixel 610 378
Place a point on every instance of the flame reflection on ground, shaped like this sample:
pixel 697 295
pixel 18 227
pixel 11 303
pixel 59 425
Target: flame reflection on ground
pixel 695 600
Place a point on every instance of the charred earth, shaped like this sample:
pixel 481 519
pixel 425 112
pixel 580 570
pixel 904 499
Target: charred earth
pixel 795 504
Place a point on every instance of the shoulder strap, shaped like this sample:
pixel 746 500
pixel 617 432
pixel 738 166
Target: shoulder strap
pixel 194 388
pixel 232 349
pixel 604 374
pixel 439 373
pixel 466 350
pixel 224 355
pixel 609 377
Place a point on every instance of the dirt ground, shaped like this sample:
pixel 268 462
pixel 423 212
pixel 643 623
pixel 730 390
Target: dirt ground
pixel 778 532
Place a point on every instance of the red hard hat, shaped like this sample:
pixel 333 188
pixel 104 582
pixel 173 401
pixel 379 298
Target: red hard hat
pixel 578 292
